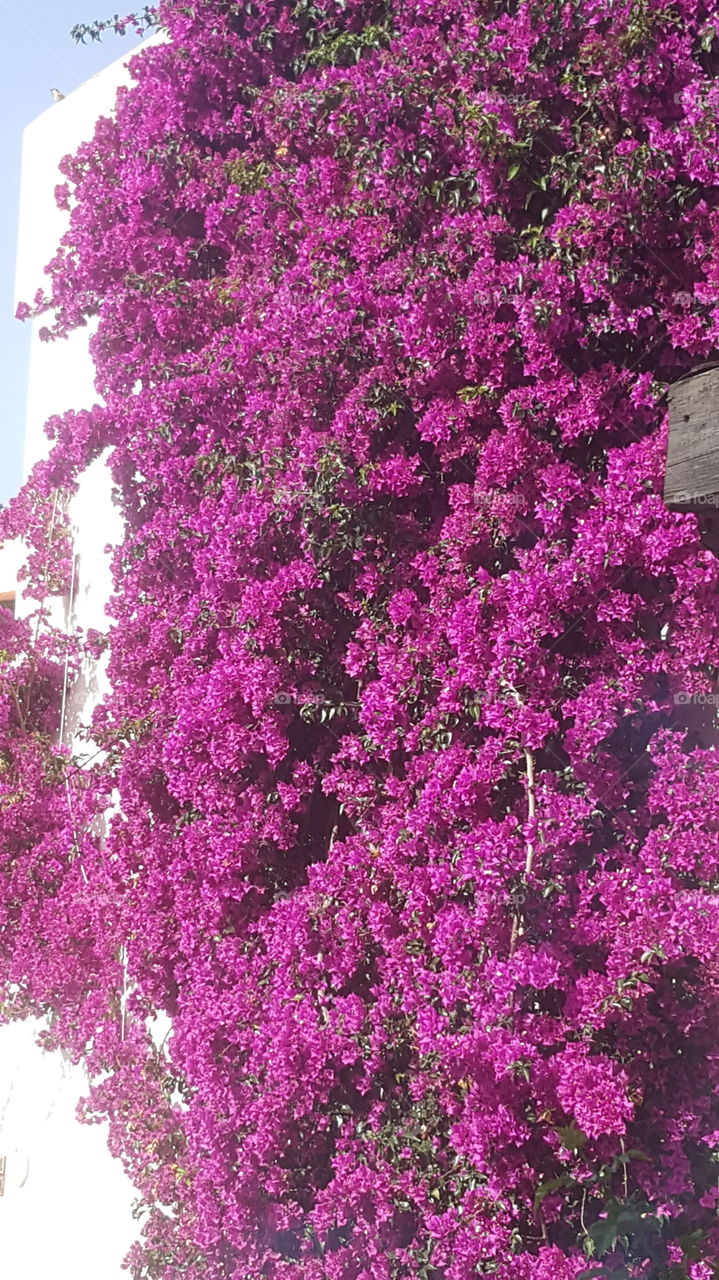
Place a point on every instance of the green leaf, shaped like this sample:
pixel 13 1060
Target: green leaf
pixel 572 1137
pixel 604 1233
pixel 552 1185
pixel 513 170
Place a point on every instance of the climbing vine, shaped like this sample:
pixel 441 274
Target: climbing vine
pixel 414 836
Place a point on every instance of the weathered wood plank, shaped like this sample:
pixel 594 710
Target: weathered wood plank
pixel 692 475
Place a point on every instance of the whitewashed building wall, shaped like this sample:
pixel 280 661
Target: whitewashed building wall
pixel 66 1210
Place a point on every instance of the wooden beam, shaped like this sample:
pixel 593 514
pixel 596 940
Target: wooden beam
pixel 691 482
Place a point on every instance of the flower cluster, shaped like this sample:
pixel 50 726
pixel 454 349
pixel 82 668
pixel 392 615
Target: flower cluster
pixel 410 840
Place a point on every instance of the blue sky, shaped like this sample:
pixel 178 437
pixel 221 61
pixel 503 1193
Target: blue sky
pixel 37 55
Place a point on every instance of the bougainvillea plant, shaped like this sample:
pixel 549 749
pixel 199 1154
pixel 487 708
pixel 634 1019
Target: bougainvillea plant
pixel 411 835
pixel 140 23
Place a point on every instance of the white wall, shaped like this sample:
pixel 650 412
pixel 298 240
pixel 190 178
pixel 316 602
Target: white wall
pixel 61 374
pixel 71 1217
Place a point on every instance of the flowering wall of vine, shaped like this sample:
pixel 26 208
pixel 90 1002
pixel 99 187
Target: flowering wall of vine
pixel 413 838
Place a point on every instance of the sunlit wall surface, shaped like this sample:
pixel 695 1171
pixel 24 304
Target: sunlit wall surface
pixel 66 1207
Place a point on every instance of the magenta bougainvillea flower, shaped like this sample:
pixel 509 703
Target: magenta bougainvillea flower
pixel 411 782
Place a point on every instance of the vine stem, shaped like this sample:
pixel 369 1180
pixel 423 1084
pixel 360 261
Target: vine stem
pixel 40 608
pixel 49 541
pixel 18 708
pixel 531 813
pixel 123 997
pixel 66 670
pixel 529 859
